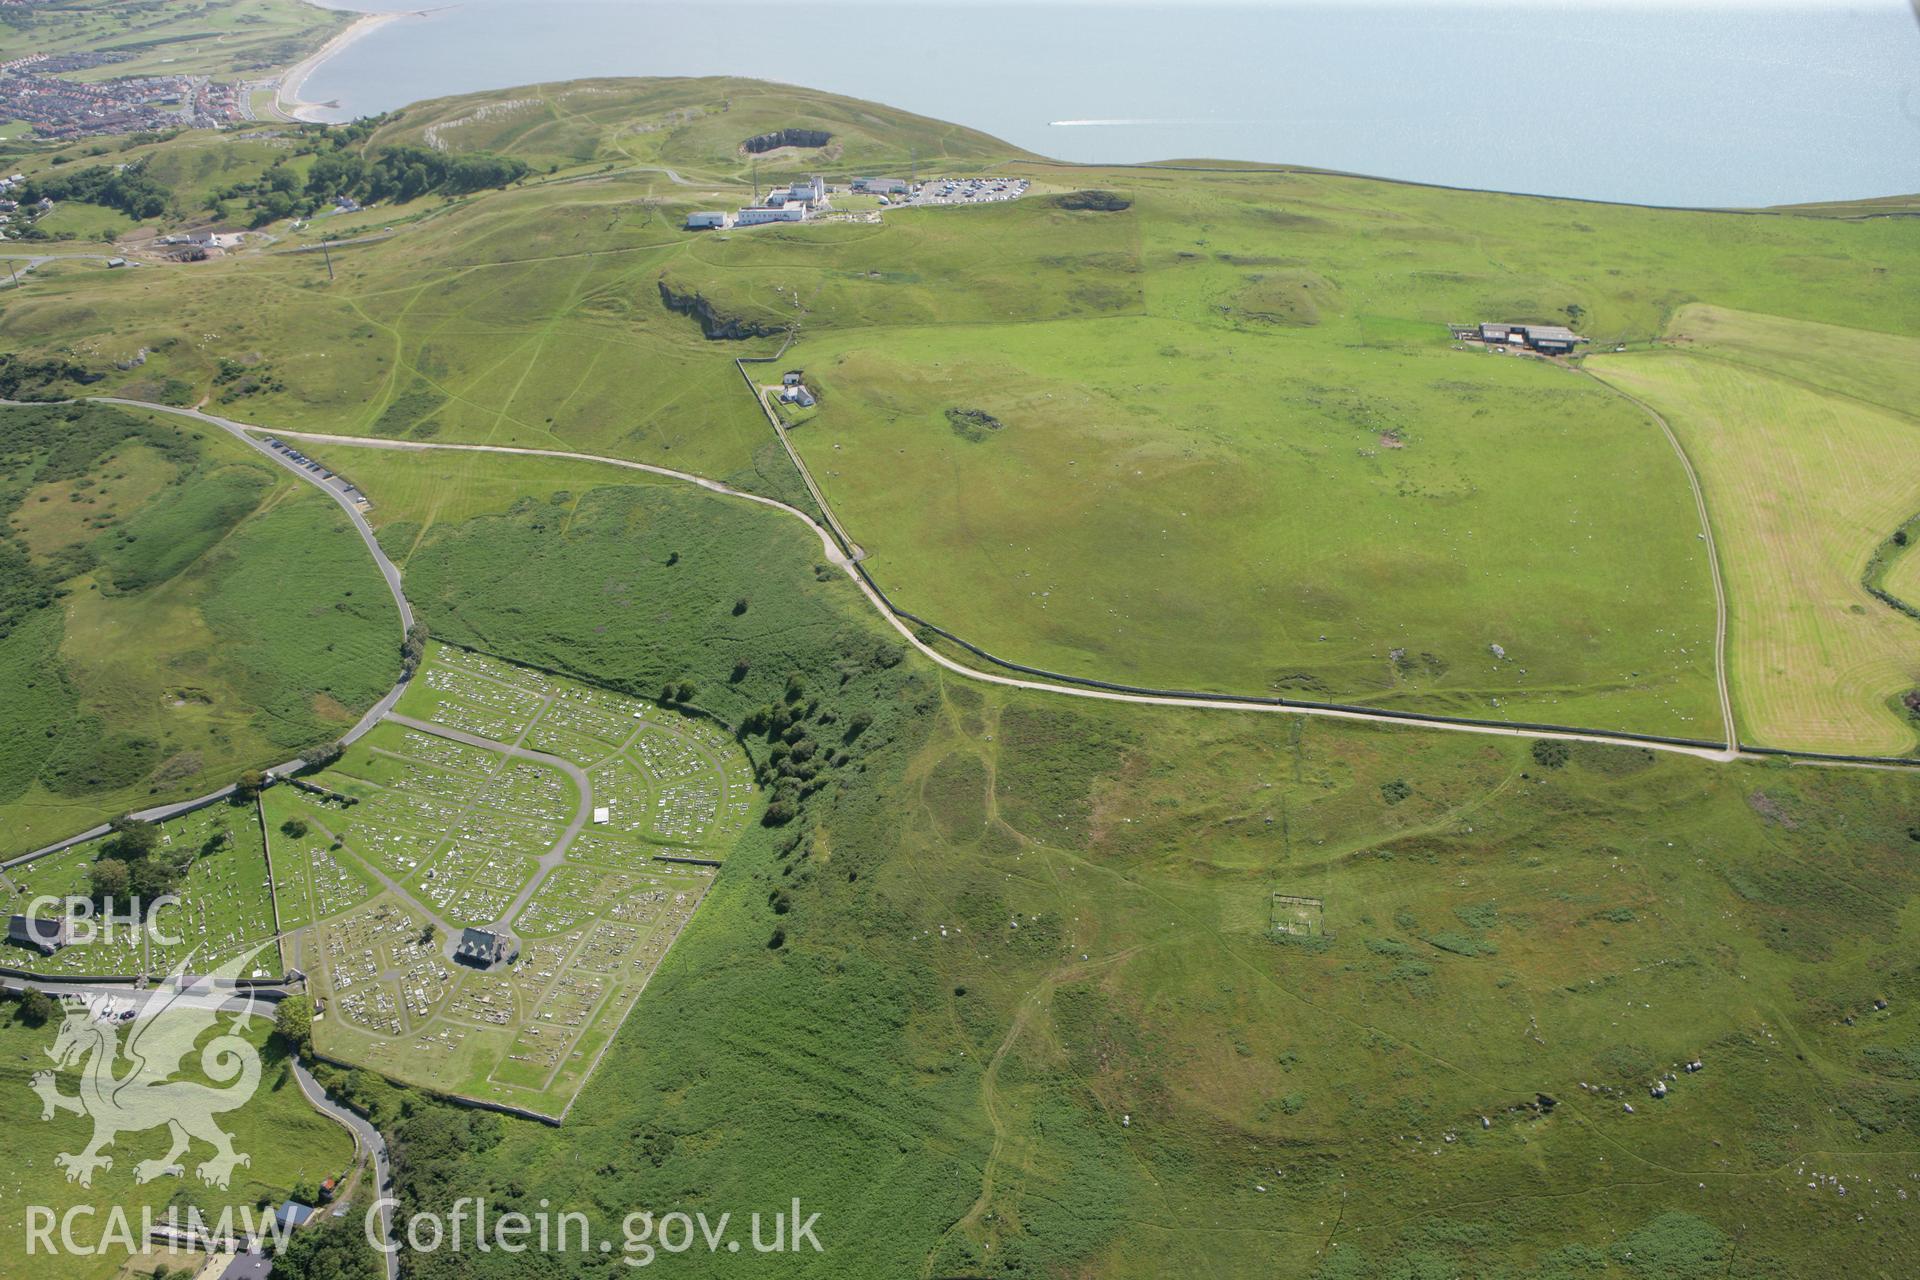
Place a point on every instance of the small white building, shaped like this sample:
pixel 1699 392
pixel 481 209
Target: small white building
pixel 786 213
pixel 708 221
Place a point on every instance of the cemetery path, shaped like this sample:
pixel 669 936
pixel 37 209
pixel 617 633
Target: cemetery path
pixel 553 857
pixel 920 634
pixel 388 883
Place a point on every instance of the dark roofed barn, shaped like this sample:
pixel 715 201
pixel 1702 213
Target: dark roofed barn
pixel 1550 338
pixel 248 1266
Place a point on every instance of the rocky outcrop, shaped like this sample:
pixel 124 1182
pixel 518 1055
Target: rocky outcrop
pixel 786 138
pixel 712 323
pixel 972 424
pixel 1093 201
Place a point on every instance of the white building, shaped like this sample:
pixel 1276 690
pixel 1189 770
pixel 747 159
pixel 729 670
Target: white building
pixel 786 213
pixel 708 221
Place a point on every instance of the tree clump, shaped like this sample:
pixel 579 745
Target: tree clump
pixel 413 647
pixel 293 1022
pixel 132 864
pixel 795 765
pixel 37 1007
pixel 760 143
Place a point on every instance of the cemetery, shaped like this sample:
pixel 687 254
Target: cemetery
pixel 514 801
pixel 223 906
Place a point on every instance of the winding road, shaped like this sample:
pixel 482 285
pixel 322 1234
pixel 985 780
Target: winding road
pixel 368 1137
pixel 831 548
pixel 376 713
pixel 367 1141
pixel 909 627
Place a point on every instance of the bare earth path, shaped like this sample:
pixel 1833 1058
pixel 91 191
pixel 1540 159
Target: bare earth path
pixel 1713 554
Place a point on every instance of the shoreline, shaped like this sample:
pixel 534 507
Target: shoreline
pixel 286 92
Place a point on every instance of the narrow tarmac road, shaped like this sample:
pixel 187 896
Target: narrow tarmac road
pixel 367 1141
pixel 831 549
pixel 374 714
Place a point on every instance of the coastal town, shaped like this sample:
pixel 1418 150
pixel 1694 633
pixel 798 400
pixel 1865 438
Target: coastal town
pixel 38 90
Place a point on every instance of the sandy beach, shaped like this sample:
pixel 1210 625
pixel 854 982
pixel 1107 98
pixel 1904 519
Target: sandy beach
pixel 286 98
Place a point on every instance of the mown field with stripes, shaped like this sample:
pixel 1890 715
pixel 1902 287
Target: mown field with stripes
pixel 1808 467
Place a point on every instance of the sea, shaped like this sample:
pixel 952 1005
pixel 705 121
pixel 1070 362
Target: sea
pixel 1693 103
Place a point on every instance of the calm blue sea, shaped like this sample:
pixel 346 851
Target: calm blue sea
pixel 1685 104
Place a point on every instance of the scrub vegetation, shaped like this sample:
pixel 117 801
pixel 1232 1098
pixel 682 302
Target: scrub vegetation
pixel 1014 977
pixel 1282 476
pixel 172 611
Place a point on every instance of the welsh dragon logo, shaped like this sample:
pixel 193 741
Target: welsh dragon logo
pixel 143 1096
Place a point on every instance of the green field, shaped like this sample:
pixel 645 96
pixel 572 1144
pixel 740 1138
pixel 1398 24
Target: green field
pixel 221 38
pixel 85 221
pixel 1800 434
pixel 696 125
pixel 1012 978
pixel 1164 512
pixel 1008 983
pixel 414 835
pixel 286 1141
pixel 1263 350
pixel 177 611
